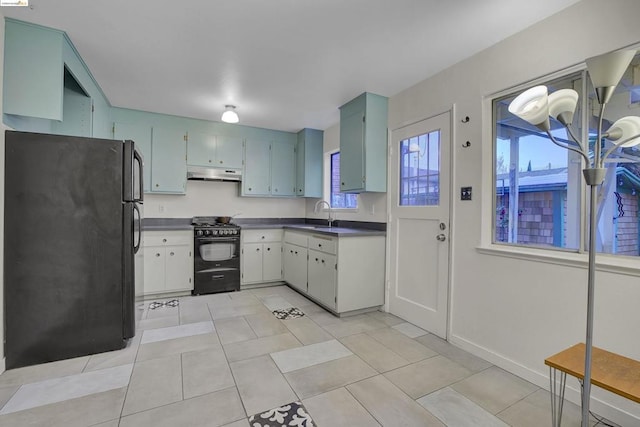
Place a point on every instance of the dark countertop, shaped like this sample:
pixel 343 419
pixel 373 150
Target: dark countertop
pixel 341 229
pixel 336 231
pixel 164 224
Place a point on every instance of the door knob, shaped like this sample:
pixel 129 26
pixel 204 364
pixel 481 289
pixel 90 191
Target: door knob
pixel 441 237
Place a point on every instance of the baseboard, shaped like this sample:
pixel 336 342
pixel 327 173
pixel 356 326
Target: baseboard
pixel 572 393
pixel 3 365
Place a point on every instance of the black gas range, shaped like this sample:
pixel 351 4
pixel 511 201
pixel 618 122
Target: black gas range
pixel 216 256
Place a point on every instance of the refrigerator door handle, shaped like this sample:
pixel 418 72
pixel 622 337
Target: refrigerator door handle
pixel 138 157
pixel 136 247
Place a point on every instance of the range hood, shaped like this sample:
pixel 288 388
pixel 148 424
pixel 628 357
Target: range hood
pixel 213 174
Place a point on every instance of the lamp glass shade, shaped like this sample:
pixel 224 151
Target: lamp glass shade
pixel 532 106
pixel 562 105
pixel 607 70
pixel 230 115
pixel 624 128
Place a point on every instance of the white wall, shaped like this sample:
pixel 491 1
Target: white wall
pixel 371 206
pixel 516 311
pixel 211 198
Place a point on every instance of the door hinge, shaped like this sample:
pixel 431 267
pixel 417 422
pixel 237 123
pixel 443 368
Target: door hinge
pixel 186 137
pixel 189 253
pixel 93 108
pixel 363 119
pixel 335 299
pixel 242 251
pixel 113 130
pixel 189 279
pixel 336 266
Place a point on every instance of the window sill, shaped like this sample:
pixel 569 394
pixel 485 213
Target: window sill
pixel 609 263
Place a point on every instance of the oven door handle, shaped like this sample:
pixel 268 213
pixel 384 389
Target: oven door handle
pixel 217 239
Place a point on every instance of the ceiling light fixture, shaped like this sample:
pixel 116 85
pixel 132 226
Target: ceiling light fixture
pixel 230 115
pixel 535 106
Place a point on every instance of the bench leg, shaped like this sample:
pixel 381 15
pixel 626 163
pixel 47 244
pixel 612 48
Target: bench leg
pixel 556 390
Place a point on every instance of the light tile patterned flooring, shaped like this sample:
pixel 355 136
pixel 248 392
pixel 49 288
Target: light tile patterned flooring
pixel 216 360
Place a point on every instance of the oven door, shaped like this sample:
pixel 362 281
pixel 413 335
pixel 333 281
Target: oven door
pixel 217 249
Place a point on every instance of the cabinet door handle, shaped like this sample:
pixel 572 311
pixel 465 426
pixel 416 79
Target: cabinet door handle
pixel 319 245
pixel 268 249
pixel 292 251
pixel 157 254
pixel 157 185
pixel 249 188
pixel 296 252
pixel 221 162
pixel 171 253
pixel 209 161
pixel 164 240
pixel 323 261
pixel 257 249
pixel 262 237
pixel 343 183
pixel 316 259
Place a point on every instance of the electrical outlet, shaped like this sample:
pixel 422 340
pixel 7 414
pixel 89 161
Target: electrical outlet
pixel 465 193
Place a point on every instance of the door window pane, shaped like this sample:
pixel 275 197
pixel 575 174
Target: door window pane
pixel 420 170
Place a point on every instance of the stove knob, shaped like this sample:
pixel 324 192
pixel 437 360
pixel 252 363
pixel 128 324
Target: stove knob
pixel 207 232
pixel 225 232
pixel 214 232
pixel 199 233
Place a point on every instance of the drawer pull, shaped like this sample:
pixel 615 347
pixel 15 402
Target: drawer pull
pixel 257 249
pixel 172 254
pixel 157 254
pixel 268 249
pixel 164 240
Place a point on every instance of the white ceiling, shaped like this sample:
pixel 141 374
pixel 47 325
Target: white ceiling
pixel 286 64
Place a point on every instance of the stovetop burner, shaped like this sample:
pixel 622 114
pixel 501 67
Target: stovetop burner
pixel 210 221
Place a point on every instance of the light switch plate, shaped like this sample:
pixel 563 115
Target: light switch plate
pixel 465 193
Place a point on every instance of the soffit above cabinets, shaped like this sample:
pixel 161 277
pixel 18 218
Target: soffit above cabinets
pixel 286 64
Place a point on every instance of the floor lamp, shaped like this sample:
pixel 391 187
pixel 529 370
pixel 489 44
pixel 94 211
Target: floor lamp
pixel 536 106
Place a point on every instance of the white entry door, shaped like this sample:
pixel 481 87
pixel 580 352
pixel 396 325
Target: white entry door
pixel 419 192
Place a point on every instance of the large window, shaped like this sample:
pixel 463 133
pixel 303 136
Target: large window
pixel 539 189
pixel 340 200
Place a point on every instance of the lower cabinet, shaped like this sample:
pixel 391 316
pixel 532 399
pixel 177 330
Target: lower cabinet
pixel 344 274
pixel 261 259
pixel 294 264
pixel 168 261
pixel 322 269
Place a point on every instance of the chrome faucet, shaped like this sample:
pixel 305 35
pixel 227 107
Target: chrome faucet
pixel 316 209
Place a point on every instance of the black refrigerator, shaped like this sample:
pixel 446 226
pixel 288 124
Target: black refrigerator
pixel 72 227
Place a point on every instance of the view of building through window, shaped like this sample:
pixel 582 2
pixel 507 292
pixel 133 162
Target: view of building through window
pixel 340 200
pixel 420 170
pixel 539 188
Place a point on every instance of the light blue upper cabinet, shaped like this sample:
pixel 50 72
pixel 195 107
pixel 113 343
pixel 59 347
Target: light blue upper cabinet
pixel 309 158
pixel 169 161
pixel 269 168
pixel 214 150
pixel 201 149
pixel 33 71
pixel 363 144
pixel 256 178
pixel 140 134
pixel 229 152
pixel 283 172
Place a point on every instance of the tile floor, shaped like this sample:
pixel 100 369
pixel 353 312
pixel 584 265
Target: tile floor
pixel 227 360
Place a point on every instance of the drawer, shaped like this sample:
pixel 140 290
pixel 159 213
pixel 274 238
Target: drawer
pixel 164 238
pixel 323 244
pixel 259 236
pixel 299 239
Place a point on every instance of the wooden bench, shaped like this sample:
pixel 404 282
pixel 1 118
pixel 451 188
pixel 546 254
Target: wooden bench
pixel 610 371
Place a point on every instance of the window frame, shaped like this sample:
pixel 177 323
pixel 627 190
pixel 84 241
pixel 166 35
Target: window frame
pixel 610 262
